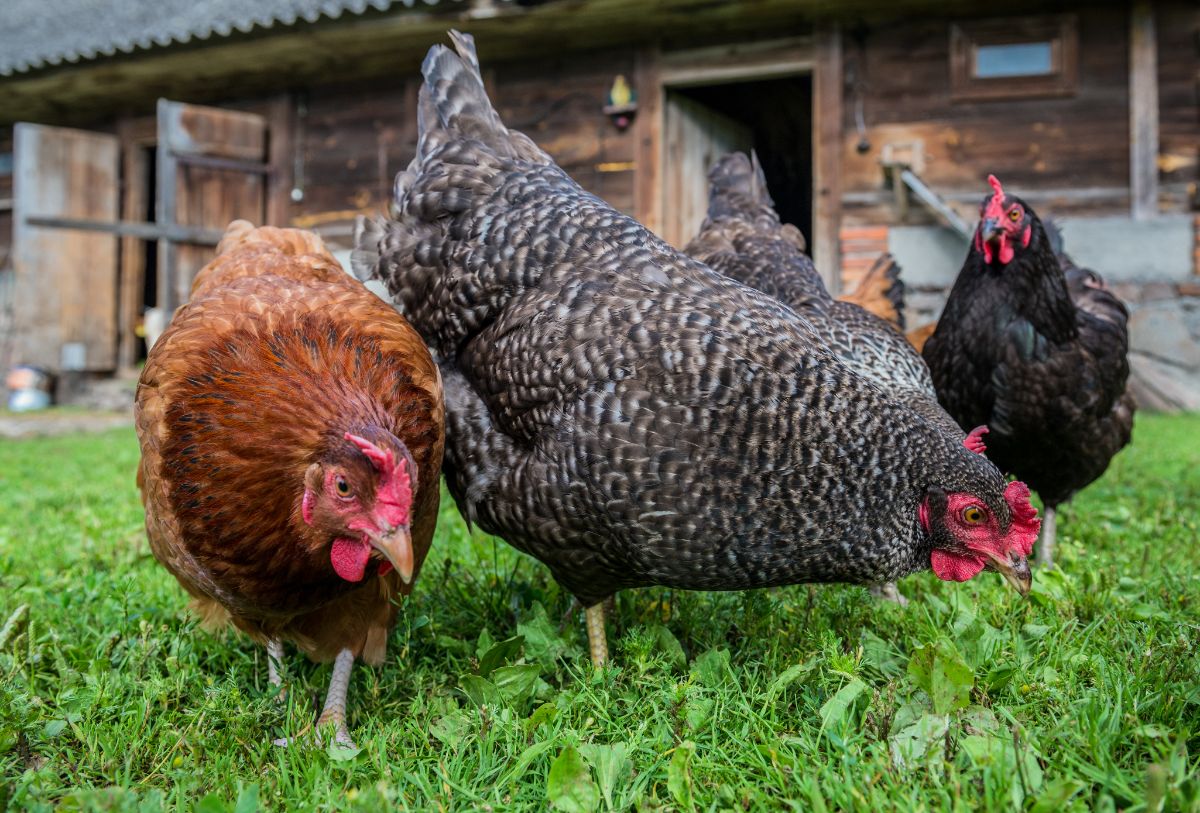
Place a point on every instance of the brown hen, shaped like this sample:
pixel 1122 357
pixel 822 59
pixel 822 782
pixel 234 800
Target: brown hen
pixel 291 426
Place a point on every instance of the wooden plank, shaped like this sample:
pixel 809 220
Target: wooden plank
pixel 65 287
pixel 827 148
pixel 647 185
pixel 1143 111
pixel 210 132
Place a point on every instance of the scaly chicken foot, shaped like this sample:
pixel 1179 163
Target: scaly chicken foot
pixel 335 701
pixel 274 665
pixel 1045 554
pixel 335 704
pixel 597 644
pixel 889 592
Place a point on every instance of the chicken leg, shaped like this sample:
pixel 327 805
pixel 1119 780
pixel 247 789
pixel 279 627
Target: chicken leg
pixel 1045 555
pixel 889 592
pixel 335 703
pixel 597 644
pixel 274 662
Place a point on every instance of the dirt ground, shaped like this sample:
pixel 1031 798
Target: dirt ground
pixel 50 422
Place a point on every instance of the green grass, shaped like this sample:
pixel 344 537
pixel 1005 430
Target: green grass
pixel 1085 696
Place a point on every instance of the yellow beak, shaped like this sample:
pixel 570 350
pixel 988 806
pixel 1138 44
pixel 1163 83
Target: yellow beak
pixel 396 546
pixel 1016 573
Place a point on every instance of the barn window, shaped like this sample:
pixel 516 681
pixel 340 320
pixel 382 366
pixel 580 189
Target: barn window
pixel 1013 58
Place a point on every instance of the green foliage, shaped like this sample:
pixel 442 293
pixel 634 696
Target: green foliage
pixel 1086 696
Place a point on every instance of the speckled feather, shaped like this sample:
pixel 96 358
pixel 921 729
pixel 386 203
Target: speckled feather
pixel 624 413
pixel 1042 359
pixel 277 354
pixel 743 238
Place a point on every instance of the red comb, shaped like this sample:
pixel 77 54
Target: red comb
pixel 974 439
pixel 1023 531
pixel 994 182
pixel 384 461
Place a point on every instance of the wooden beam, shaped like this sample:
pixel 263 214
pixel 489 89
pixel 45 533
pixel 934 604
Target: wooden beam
pixel 827 153
pixel 281 133
pixel 194 235
pixel 737 62
pixel 1143 111
pixel 135 179
pixel 648 178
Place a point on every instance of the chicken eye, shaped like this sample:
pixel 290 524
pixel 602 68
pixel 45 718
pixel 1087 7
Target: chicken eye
pixel 972 515
pixel 1014 214
pixel 343 488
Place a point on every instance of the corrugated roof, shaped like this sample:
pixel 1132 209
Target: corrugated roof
pixel 41 33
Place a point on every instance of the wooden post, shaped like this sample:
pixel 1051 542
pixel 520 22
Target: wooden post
pixel 281 121
pixel 827 153
pixel 135 136
pixel 1143 111
pixel 647 179
pixel 167 183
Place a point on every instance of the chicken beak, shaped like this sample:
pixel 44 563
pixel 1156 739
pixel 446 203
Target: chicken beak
pixel 1016 573
pixel 396 546
pixel 991 229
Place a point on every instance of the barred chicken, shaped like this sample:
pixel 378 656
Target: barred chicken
pixel 630 416
pixel 291 426
pixel 1037 354
pixel 743 238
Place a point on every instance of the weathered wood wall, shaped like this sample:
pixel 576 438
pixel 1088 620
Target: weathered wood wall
pixel 1079 143
pixel 1178 27
pixel 353 140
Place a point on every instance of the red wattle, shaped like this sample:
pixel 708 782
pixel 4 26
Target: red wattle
pixel 953 567
pixel 1006 250
pixel 349 558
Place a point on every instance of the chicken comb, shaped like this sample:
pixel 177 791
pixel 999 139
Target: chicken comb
pixel 1023 531
pixel 994 182
pixel 384 461
pixel 995 204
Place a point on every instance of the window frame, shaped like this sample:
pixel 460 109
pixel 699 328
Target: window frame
pixel 1061 31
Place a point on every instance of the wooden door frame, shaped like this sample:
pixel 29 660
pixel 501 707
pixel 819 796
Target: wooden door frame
pixel 818 55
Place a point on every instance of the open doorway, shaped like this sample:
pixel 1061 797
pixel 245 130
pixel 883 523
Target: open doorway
pixel 772 116
pixel 149 251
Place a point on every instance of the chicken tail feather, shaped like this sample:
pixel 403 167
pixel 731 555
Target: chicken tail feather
pixel 736 184
pixel 364 259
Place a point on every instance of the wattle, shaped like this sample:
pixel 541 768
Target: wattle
pixel 954 567
pixel 349 558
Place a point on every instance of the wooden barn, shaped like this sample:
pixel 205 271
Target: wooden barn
pixel 131 132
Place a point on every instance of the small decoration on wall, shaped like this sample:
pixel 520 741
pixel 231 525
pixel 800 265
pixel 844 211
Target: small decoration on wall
pixel 622 103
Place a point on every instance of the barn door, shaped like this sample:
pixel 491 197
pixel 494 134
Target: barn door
pixel 212 168
pixel 65 286
pixel 695 137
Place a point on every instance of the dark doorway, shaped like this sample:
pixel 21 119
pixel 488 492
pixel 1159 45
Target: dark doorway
pixel 778 115
pixel 149 247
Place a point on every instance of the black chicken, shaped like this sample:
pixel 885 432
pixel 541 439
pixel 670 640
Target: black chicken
pixel 743 238
pixel 1036 354
pixel 630 416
